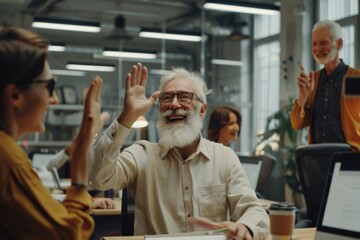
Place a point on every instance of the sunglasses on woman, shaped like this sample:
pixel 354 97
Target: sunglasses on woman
pixel 50 86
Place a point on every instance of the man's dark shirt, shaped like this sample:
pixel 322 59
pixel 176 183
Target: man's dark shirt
pixel 326 118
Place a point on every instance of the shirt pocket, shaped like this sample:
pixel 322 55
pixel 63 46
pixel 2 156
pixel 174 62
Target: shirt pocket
pixel 212 201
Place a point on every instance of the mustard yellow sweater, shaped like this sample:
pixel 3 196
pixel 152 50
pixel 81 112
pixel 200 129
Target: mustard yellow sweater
pixel 27 209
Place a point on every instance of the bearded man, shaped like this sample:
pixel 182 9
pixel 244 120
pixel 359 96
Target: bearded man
pixel 184 178
pixel 322 105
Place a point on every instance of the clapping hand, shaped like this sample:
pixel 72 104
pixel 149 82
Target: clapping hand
pixel 305 84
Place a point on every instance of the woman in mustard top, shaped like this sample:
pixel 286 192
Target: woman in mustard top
pixel 27 209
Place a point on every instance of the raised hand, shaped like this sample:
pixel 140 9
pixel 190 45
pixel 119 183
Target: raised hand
pixel 89 127
pixel 136 103
pixel 305 85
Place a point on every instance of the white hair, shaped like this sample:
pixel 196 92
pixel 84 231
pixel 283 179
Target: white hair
pixel 179 72
pixel 334 28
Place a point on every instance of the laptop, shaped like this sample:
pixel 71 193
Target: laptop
pixel 340 212
pixel 50 178
pixel 252 166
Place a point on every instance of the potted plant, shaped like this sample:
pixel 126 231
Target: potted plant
pixel 280 139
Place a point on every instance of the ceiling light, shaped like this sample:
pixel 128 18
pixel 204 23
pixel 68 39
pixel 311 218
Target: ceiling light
pixel 226 62
pixel 159 71
pixel 140 122
pixel 67 25
pixel 56 47
pixel 128 54
pixel 242 7
pixel 90 67
pixel 170 35
pixel 67 73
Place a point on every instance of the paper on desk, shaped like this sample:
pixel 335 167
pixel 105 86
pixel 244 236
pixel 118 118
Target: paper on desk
pixel 186 237
pixel 59 196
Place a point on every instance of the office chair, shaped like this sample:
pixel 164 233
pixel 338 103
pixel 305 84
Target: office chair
pixel 265 172
pixel 312 162
pixel 127 213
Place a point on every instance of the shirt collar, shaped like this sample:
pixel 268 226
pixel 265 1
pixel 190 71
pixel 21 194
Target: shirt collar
pixel 201 149
pixel 338 71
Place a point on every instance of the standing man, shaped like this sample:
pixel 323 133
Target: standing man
pixel 321 104
pixel 184 178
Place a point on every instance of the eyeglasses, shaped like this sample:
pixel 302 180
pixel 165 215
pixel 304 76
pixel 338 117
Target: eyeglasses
pixel 184 98
pixel 50 86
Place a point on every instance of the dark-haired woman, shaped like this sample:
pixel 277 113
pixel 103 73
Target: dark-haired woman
pixel 224 125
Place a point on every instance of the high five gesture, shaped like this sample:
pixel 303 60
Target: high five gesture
pixel 136 103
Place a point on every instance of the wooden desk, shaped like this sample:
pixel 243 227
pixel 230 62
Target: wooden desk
pixel 107 221
pixel 299 234
pixel 103 220
pixel 115 211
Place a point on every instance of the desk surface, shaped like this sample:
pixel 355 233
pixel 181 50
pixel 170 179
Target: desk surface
pixel 115 211
pixel 66 182
pixel 299 234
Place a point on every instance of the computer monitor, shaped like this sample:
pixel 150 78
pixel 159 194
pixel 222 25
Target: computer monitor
pixel 252 167
pixel 40 160
pixel 339 217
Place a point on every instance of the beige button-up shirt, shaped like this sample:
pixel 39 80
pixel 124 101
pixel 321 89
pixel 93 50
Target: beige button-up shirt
pixel 168 190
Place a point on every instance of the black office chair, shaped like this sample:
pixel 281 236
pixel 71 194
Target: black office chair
pixel 265 172
pixel 127 213
pixel 312 163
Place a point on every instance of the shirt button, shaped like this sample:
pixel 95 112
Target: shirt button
pixel 113 134
pixel 189 215
pixel 186 188
pixel 324 117
pixel 326 99
pixel 323 134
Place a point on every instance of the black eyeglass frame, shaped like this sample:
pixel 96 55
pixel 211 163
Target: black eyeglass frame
pixel 173 94
pixel 50 86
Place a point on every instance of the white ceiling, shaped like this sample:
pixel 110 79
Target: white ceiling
pixel 169 14
pixel 174 14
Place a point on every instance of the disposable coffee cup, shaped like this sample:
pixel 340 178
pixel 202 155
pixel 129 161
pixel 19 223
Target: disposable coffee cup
pixel 282 220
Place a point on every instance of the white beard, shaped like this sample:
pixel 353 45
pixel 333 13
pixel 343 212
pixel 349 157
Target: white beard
pixel 179 134
pixel 328 58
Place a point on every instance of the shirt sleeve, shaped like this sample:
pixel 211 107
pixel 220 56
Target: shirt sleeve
pixel 300 116
pixel 58 160
pixel 105 164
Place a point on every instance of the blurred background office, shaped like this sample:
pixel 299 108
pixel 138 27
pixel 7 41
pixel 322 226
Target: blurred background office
pixel 248 59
